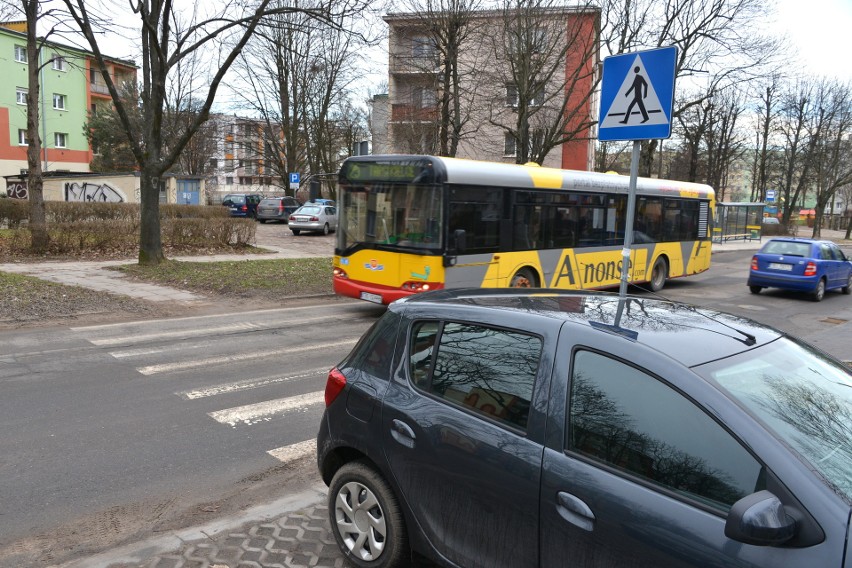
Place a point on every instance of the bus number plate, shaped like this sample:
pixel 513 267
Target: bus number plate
pixel 375 298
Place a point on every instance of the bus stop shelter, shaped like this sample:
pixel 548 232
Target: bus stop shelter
pixel 738 221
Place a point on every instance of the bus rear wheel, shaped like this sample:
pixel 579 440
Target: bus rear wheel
pixel 523 278
pixel 659 274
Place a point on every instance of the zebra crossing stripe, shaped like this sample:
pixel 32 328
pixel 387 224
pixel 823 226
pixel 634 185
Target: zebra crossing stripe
pixel 249 384
pixel 174 334
pixel 264 411
pixel 184 365
pixel 294 452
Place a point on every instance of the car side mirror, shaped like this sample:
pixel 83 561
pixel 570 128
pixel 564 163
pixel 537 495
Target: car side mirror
pixel 760 519
pixel 460 237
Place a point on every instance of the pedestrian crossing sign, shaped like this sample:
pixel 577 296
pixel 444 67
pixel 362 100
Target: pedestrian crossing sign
pixel 637 92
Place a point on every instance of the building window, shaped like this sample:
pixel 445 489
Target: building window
pixel 58 62
pixel 22 137
pixel 229 164
pixel 60 139
pixel 20 54
pixel 510 146
pixel 214 163
pixel 94 108
pixel 512 96
pixel 422 47
pixel 58 101
pixel 21 95
pixel 229 180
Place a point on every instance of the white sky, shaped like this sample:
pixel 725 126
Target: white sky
pixel 821 34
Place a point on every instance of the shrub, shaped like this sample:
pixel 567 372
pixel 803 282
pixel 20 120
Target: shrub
pixel 12 212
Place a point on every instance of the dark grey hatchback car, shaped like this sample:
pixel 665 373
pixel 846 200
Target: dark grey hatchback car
pixel 506 428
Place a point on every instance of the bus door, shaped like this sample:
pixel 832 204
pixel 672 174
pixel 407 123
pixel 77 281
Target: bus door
pixel 474 228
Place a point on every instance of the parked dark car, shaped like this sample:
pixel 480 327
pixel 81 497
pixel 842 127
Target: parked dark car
pixel 276 208
pixel 530 428
pixel 242 204
pixel 804 265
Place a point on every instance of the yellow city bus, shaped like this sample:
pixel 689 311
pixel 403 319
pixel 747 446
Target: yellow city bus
pixel 410 223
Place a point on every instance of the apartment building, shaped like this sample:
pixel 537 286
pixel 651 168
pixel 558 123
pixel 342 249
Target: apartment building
pixel 489 86
pixel 241 159
pixel 70 85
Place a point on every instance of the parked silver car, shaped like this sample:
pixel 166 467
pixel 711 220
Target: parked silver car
pixel 314 217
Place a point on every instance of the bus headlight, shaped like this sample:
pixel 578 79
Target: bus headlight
pixel 339 273
pixel 419 286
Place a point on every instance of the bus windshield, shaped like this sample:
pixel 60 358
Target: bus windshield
pixel 394 215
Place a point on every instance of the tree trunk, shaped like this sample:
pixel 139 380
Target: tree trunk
pixel 35 183
pixel 150 244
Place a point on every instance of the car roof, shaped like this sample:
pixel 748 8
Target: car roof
pixel 800 240
pixel 690 334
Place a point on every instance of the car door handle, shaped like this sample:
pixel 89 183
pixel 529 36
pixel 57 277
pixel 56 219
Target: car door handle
pixel 402 433
pixel 575 511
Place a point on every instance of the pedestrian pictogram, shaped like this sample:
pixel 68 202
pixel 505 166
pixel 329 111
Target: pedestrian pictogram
pixel 637 91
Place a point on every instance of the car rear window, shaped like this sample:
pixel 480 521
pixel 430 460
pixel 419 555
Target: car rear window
pixel 270 202
pixel 309 210
pixel 487 370
pixel 238 199
pixel 787 247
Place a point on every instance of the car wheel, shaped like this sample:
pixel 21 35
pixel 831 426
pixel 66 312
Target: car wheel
pixel 659 274
pixel 295 231
pixel 366 519
pixel 523 278
pixel 755 289
pixel 848 288
pixel 819 292
pixel 262 221
pixel 325 229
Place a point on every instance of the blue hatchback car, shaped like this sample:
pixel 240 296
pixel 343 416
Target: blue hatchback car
pixel 804 265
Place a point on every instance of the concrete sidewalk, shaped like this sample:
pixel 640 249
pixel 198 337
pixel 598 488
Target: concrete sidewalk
pixel 96 275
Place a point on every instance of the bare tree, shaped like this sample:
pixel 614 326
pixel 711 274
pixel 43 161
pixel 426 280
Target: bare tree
pixel 764 131
pixel 797 140
pixel 550 56
pixel 440 30
pixel 722 38
pixel 166 42
pixel 832 165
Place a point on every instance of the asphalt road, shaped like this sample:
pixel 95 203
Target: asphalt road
pixel 113 433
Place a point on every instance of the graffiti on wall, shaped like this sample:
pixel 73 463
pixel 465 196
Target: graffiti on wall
pixel 85 191
pixel 17 190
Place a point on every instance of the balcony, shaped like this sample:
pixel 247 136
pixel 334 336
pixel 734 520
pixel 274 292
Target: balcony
pixel 413 113
pixel 99 88
pixel 414 64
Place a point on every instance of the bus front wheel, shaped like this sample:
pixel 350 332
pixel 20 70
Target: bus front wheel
pixel 659 274
pixel 523 278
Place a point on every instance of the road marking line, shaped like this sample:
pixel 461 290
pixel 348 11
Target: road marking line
pixel 248 384
pixel 294 451
pixel 173 334
pixel 182 366
pixel 192 318
pixel 265 411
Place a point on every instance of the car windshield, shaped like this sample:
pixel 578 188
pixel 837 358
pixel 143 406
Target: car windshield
pixel 800 394
pixel 309 210
pixel 787 247
pixel 392 215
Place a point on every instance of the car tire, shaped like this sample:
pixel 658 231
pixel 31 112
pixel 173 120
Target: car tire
pixel 365 518
pixel 848 288
pixel 325 229
pixel 659 274
pixel 262 221
pixel 819 291
pixel 523 278
pixel 755 289
pixel 295 231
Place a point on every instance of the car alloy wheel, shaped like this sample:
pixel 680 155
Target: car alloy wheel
pixel 365 518
pixel 325 229
pixel 819 292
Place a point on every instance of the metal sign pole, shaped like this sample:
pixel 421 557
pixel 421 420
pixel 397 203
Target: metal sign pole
pixel 628 225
